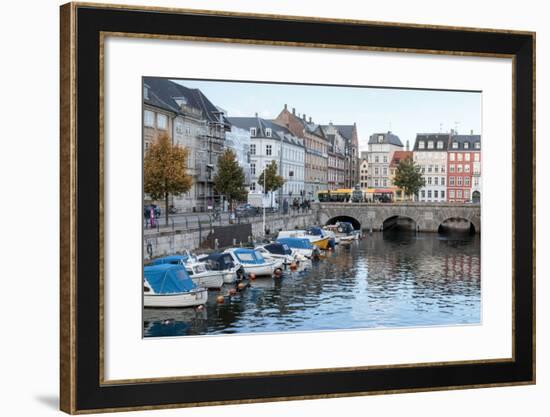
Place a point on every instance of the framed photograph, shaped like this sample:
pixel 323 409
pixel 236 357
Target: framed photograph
pixel 265 208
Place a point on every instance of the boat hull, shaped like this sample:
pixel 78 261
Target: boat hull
pixel 208 279
pixel 322 243
pixel 185 299
pixel 261 269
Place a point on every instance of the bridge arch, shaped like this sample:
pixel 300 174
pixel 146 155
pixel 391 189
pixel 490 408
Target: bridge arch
pixel 457 224
pixel 355 223
pixel 399 222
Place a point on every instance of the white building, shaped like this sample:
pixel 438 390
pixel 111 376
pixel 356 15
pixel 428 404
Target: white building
pixel 272 142
pixel 430 154
pixel 380 153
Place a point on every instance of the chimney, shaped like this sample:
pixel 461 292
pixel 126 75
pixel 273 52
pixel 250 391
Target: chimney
pixel 310 121
pixel 407 146
pixel 304 116
pixel 293 111
pixel 256 115
pixel 286 107
pixel 471 131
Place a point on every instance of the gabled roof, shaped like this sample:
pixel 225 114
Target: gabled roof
pixel 164 92
pixel 388 138
pixel 399 156
pixel 278 132
pixel 346 131
pixel 434 137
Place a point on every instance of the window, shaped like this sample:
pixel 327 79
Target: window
pixel 459 168
pixel 385 182
pixel 423 194
pixel 458 193
pixel 268 150
pixel 421 144
pixel 430 146
pixel 467 168
pixel 422 169
pixel 162 121
pixel 252 131
pixel 376 182
pixel 436 181
pixel 466 145
pixel 436 168
pixel 476 157
pixel 451 181
pixel 376 158
pixel 452 168
pixel 429 180
pixel 442 180
pixel 376 171
pixel 439 144
pixel 268 132
pixel 452 194
pixel 436 194
pixel 443 194
pixel 459 156
pixel 385 171
pixel 380 138
pixel 187 130
pixel 253 168
pixel 467 157
pixel 385 159
pixel 455 145
pixel 477 145
pixel 253 186
pixel 253 149
pixel 459 181
pixel 451 156
pixel 467 181
pixel 476 181
pixel 149 118
pixel 442 169
pixel 429 193
pixel 467 194
pixel 430 167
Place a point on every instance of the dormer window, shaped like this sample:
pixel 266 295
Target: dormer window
pixel 268 132
pixel 477 145
pixel 421 144
pixel 430 144
pixel 455 145
pixel 466 145
pixel 252 131
pixel 380 138
pixel 181 101
pixel 439 144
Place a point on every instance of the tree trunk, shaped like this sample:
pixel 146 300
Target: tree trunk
pixel 166 208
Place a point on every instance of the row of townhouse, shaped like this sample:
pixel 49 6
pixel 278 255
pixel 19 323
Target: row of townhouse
pixel 310 157
pixel 450 165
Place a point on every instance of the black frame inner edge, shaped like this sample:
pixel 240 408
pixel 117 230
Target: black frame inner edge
pixel 91 395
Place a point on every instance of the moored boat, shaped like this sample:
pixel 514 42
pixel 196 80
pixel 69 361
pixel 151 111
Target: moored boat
pixel 322 242
pixel 169 285
pixel 253 262
pixel 231 271
pixel 299 245
pixel 279 251
pixel 202 275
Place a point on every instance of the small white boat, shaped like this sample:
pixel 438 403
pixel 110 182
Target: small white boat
pixel 253 262
pixel 278 251
pixel 322 242
pixel 231 271
pixel 202 275
pixel 168 285
pixel 299 245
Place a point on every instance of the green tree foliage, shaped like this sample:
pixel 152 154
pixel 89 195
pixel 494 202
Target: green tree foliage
pixel 165 171
pixel 229 180
pixel 408 177
pixel 273 181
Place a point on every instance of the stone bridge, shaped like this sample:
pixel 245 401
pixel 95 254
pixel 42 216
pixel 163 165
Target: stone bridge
pixel 425 217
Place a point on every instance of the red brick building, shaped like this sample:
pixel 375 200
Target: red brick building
pixel 463 168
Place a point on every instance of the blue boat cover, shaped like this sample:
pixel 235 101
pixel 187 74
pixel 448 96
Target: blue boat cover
pixel 316 231
pixel 168 278
pixel 296 242
pixel 172 259
pixel 249 256
pixel 278 248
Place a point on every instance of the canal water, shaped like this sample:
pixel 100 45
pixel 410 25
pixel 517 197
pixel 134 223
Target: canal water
pixel 387 280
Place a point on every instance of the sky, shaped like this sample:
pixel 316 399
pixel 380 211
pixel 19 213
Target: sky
pixel 402 111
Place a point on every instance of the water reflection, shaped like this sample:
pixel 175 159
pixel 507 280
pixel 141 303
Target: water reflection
pixel 389 279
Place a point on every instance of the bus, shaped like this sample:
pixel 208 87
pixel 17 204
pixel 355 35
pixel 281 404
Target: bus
pixel 341 195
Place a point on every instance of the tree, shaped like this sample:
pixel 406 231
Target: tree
pixel 408 177
pixel 229 180
pixel 273 181
pixel 165 170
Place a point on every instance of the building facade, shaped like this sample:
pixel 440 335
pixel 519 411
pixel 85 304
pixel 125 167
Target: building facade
pixel 430 154
pixel 381 149
pixel 272 142
pixel 464 162
pixel 398 157
pixel 364 173
pixel 191 120
pixel 316 150
pixel 238 140
pixel 337 158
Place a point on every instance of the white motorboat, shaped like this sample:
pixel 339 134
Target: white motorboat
pixel 299 245
pixel 168 285
pixel 253 262
pixel 279 251
pixel 202 275
pixel 231 271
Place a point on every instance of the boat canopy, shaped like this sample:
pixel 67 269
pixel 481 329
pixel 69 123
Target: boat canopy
pixel 278 248
pixel 168 278
pixel 346 227
pixel 316 231
pixel 220 261
pixel 296 242
pixel 249 256
pixel 172 259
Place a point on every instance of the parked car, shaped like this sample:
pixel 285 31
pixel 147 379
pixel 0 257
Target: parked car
pixel 246 210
